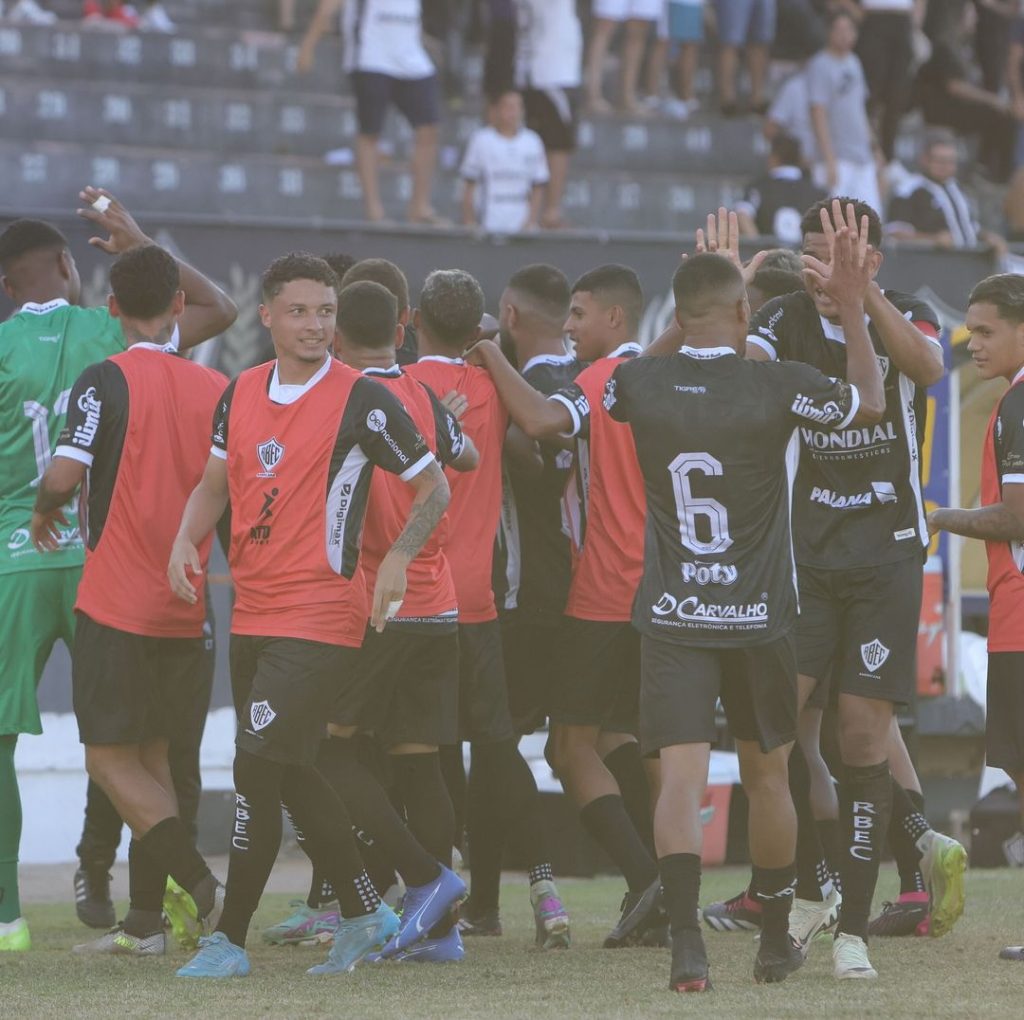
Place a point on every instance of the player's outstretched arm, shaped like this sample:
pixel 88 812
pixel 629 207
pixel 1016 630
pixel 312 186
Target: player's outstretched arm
pixel 208 310
pixel 428 507
pixel 326 10
pixel 537 416
pixel 203 510
pixel 917 356
pixel 1000 522
pixel 59 483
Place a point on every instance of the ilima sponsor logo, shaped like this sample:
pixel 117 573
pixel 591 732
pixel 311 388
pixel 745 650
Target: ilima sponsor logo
pixel 261 714
pixel 86 432
pixel 824 414
pixel 873 655
pixel 693 610
pixel 709 573
pixel 270 454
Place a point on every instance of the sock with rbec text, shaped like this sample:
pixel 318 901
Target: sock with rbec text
pixel 907 826
pixel 609 824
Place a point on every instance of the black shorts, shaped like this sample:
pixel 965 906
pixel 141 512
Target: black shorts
pixel 128 688
pixel 484 717
pixel 1004 716
pixel 417 100
pixel 681 685
pixel 283 689
pixel 405 688
pixel 598 680
pixel 857 630
pixel 532 643
pixel 552 114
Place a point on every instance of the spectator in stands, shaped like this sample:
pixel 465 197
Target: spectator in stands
pixel 847 161
pixel 637 16
pixel 504 171
pixel 775 203
pixel 885 47
pixel 747 24
pixel 549 59
pixel 950 98
pixel 681 26
pixel 799 30
pixel 931 206
pixel 156 19
pixel 790 114
pixel 388 65
pixel 28 12
pixel 109 14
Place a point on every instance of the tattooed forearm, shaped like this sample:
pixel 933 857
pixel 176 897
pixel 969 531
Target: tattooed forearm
pixel 427 511
pixel 996 523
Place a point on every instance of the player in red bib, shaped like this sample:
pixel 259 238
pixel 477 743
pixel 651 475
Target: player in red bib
pixel 995 319
pixel 594 705
pixel 295 443
pixel 502 792
pixel 135 441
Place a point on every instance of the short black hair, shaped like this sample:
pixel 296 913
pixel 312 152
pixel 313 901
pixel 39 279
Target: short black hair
pixel 840 12
pixel 773 283
pixel 546 286
pixel 701 280
pixel 617 285
pixel 296 265
pixel 367 315
pixel 24 236
pixel 341 262
pixel 381 271
pixel 1005 291
pixel 786 150
pixel 782 258
pixel 811 223
pixel 451 306
pixel 144 281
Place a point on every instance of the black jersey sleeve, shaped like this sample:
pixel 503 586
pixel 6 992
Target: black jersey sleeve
pixel 96 415
pixel 816 399
pixel 451 440
pixel 919 312
pixel 384 431
pixel 575 401
pixel 769 325
pixel 219 429
pixel 1009 437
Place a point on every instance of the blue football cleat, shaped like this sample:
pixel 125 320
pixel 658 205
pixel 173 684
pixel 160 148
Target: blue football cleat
pixel 448 949
pixel 217 958
pixel 355 939
pixel 424 907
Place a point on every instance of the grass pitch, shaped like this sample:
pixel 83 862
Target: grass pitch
pixel 959 975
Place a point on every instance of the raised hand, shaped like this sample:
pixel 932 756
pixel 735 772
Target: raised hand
pixel 721 236
pixel 847 276
pixel 125 233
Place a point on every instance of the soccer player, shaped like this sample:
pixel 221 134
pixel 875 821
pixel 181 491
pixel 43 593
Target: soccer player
pixel 716 438
pixel 502 791
pixel 409 674
pixel 295 442
pixel 594 703
pixel 135 443
pixel 44 347
pixel 995 319
pixel 533 565
pixel 860 539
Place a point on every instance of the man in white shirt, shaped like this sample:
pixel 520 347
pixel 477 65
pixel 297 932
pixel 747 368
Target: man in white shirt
pixel 388 65
pixel 504 171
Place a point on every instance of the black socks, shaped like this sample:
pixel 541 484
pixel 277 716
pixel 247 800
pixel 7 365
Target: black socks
pixel 608 822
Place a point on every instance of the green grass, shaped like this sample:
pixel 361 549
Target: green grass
pixel 959 975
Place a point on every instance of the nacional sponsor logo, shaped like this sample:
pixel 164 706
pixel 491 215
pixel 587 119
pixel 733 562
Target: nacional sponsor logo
pixel 693 610
pixel 377 421
pixel 261 715
pixel 91 407
pixel 874 437
pixel 341 513
pixel 839 502
pixel 824 414
pixel 709 573
pixel 609 394
pixel 270 454
pixel 873 655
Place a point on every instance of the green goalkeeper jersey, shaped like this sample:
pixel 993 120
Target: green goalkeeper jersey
pixel 43 350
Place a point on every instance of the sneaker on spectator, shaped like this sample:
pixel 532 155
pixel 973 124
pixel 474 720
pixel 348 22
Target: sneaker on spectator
pixel 156 19
pixel 28 12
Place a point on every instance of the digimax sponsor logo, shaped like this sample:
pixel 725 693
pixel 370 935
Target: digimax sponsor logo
pixel 850 440
pixel 341 513
pixel 693 610
pixel 709 573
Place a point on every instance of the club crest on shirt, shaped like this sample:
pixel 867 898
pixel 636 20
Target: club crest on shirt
pixel 261 714
pixel 873 655
pixel 270 454
pixel 883 364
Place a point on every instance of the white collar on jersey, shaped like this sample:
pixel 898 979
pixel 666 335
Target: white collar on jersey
pixel 171 347
pixel 1017 378
pixel 288 393
pixel 443 359
pixel 547 359
pixel 33 309
pixel 705 353
pixel 833 331
pixel 394 370
pixel 630 347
